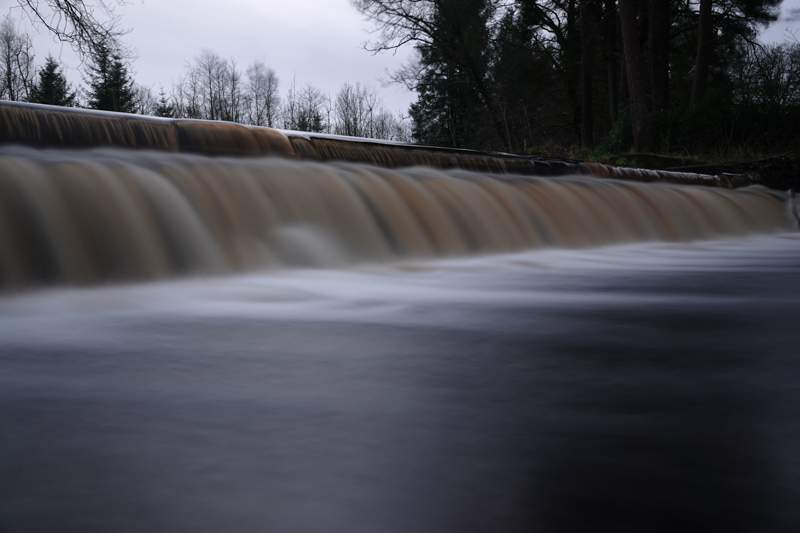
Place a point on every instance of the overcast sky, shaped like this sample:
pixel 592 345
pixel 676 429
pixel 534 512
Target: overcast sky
pixel 317 41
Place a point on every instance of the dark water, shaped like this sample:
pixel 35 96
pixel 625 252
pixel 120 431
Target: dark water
pixel 639 388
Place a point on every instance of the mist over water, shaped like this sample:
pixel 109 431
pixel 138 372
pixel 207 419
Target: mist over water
pixel 88 217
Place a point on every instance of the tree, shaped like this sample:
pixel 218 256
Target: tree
pixel 164 108
pixel 303 110
pixel 630 23
pixel 262 97
pixel 110 86
pixel 732 20
pixel 77 22
pixel 359 112
pixel 144 103
pixel 16 62
pixel 354 111
pixel 659 47
pixel 211 89
pixel 589 22
pixel 52 87
pixel 705 33
pixel 453 41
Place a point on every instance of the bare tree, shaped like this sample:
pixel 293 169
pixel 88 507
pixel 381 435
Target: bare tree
pixel 310 110
pixel 399 22
pixel 290 105
pixel 187 97
pixel 768 77
pixel 86 25
pixel 304 110
pixel 262 97
pixel 16 62
pixel 358 112
pixel 383 125
pixel 145 102
pixel 354 109
pixel 402 129
pixel 211 89
pixel 230 90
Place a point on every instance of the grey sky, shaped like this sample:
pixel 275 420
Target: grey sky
pixel 317 41
pixel 787 27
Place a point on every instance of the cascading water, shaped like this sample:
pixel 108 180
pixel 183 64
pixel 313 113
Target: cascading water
pixel 83 217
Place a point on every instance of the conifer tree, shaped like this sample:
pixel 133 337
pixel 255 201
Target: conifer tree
pixel 164 108
pixel 110 85
pixel 52 87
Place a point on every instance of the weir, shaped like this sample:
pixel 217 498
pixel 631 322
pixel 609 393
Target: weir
pixel 46 126
pixel 99 197
pixel 102 215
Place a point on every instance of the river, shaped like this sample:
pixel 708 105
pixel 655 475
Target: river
pixel 638 387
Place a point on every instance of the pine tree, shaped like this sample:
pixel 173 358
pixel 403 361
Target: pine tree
pixel 52 87
pixel 164 108
pixel 456 105
pixel 110 85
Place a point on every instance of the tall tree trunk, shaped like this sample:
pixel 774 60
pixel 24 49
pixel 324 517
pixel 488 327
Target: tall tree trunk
pixel 628 10
pixel 9 71
pixel 491 106
pixel 642 19
pixel 610 48
pixel 571 58
pixel 659 53
pixel 588 47
pixel 705 36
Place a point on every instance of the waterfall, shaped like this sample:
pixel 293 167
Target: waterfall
pixel 94 216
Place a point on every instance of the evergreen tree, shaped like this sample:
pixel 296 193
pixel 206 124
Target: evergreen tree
pixel 164 108
pixel 52 87
pixel 456 105
pixel 110 85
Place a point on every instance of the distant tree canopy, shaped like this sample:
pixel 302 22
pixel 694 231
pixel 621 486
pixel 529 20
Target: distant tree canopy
pixel 52 87
pixel 666 75
pixel 214 88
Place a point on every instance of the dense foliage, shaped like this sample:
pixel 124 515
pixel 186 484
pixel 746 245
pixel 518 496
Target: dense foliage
pixel 653 75
pixel 52 87
pixel 110 86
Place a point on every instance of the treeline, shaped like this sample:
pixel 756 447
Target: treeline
pixel 211 88
pixel 650 75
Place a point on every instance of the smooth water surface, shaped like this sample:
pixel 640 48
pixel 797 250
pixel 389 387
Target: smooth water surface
pixel 645 387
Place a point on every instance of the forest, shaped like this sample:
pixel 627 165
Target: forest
pixel 566 77
pixel 670 76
